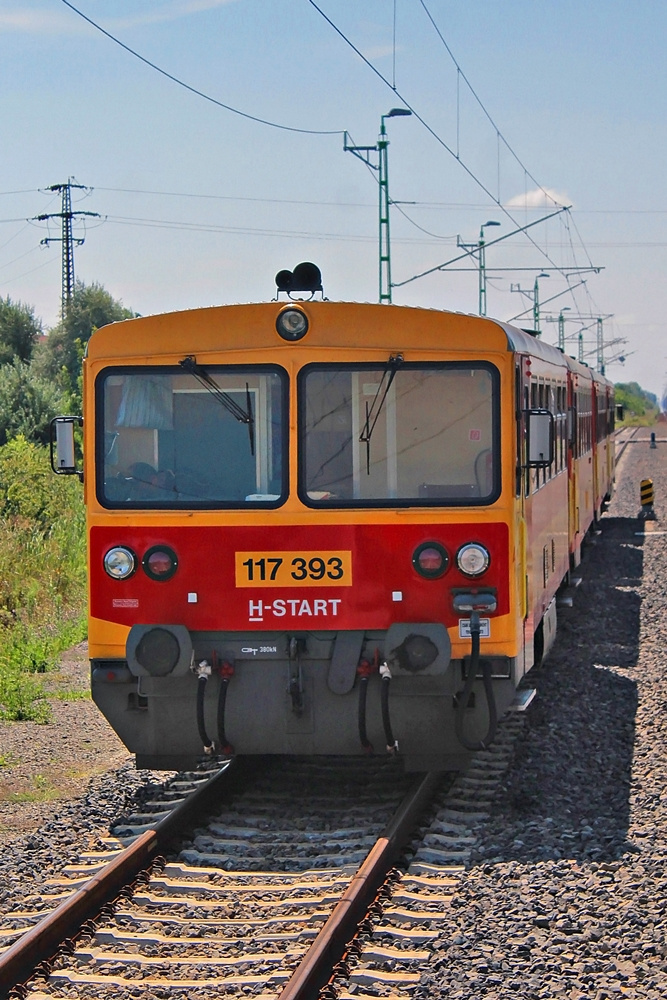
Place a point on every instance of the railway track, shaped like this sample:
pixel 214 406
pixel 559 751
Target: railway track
pixel 623 437
pixel 263 897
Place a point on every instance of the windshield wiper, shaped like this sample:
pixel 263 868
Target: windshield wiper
pixel 373 411
pixel 243 416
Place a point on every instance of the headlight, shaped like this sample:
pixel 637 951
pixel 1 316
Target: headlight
pixel 120 562
pixel 473 559
pixel 292 324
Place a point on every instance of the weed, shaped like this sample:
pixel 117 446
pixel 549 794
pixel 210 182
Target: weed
pixel 42 576
pixel 41 791
pixel 70 694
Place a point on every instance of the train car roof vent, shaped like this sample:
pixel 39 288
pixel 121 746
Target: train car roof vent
pixel 305 277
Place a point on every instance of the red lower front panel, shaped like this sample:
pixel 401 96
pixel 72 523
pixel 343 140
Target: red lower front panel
pixel 292 577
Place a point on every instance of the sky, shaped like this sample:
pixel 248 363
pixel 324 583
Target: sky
pixel 519 109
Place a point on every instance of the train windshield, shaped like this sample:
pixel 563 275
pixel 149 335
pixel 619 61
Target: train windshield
pixel 399 433
pixel 192 436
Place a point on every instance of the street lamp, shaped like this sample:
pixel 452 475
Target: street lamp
pixel 383 168
pixel 478 248
pixel 365 154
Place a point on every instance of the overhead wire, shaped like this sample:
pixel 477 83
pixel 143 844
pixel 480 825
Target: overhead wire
pixel 390 85
pixel 24 274
pixel 461 75
pixel 246 231
pixel 195 90
pixel 438 138
pixel 227 197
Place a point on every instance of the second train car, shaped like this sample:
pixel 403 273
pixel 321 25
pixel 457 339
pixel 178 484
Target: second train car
pixel 328 528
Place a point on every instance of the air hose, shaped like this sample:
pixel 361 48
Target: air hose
pixel 392 744
pixel 203 672
pixel 226 674
pixel 464 698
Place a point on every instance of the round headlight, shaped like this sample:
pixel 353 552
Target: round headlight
pixel 473 559
pixel 120 562
pixel 292 324
pixel 430 560
pixel 160 562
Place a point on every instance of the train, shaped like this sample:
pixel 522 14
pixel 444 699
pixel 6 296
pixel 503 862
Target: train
pixel 328 528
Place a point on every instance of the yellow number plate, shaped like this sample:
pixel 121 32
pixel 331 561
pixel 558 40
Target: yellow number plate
pixel 294 569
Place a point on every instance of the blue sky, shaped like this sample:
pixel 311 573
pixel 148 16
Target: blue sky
pixel 199 205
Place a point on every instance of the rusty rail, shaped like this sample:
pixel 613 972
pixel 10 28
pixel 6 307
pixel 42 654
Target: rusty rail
pixel 328 947
pixel 43 941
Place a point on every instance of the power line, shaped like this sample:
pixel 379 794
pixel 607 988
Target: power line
pixel 194 90
pixel 441 142
pixel 470 87
pixel 229 197
pixel 448 205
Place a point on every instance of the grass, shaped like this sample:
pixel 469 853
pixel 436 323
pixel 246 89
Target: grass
pixel 72 694
pixel 42 577
pixel 41 790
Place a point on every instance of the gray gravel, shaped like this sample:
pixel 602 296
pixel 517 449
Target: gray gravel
pixel 28 862
pixel 567 895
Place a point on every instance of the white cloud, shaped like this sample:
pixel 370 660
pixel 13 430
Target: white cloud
pixel 538 198
pixel 379 51
pixel 169 12
pixel 33 20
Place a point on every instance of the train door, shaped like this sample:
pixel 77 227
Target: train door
pixel 595 445
pixel 522 554
pixel 572 471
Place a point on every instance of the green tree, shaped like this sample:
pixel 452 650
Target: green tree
pixel 19 331
pixel 28 402
pixel 60 358
pixel 638 404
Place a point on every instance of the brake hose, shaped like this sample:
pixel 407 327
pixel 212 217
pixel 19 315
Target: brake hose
pixel 226 674
pixel 203 672
pixel 392 744
pixel 467 691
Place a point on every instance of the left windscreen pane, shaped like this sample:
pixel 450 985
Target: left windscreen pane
pixel 167 438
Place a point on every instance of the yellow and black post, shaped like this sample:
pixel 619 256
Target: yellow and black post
pixel 647 497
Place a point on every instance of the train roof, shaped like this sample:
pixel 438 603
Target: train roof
pixel 254 329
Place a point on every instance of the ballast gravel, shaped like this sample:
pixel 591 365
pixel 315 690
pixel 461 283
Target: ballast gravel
pixel 567 893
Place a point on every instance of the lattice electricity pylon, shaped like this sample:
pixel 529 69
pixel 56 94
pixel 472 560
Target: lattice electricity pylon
pixel 67 239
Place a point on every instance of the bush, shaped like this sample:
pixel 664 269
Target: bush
pixel 42 574
pixel 28 402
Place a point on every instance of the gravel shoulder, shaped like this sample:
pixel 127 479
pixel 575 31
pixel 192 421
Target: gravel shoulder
pixel 43 766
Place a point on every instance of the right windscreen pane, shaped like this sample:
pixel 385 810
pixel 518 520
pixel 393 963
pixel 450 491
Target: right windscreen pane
pixel 402 434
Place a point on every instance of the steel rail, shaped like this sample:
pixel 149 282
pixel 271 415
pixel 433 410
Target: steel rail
pixel 622 443
pixel 43 941
pixel 328 947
